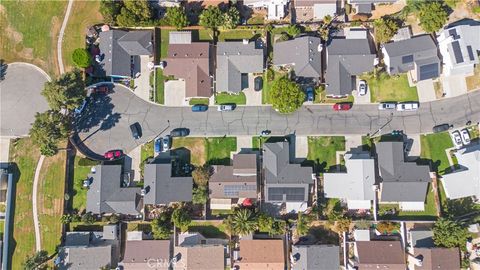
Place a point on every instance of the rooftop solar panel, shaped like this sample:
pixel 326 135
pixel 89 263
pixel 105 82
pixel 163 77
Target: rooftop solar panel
pixel 286 194
pixel 470 53
pixel 429 71
pixel 457 52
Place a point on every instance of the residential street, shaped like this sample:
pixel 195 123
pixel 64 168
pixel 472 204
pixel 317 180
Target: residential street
pixel 106 124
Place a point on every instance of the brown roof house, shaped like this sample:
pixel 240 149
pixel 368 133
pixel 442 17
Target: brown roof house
pixel 261 254
pixel 146 254
pixel 379 255
pixel 199 257
pixel 230 185
pixel 189 61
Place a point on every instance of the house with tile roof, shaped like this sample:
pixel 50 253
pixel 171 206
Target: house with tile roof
pixel 379 255
pixel 237 59
pixel 109 192
pixel 305 257
pixel 417 55
pixel 348 55
pixel 190 61
pixel 231 185
pixel 402 182
pixel 261 254
pixel 356 186
pixel 286 185
pixel 162 187
pixel 146 254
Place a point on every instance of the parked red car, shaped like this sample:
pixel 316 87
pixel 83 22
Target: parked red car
pixel 113 154
pixel 342 106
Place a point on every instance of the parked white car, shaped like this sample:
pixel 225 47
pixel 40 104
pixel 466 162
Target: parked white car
pixel 362 88
pixel 226 108
pixel 407 106
pixel 465 136
pixel 387 106
pixel 456 139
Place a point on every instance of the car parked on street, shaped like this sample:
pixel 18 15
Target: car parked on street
pixel 258 83
pixel 136 130
pixel 310 95
pixel 465 136
pixel 157 145
pixel 342 106
pixel 407 106
pixel 180 132
pixel 441 128
pixel 362 88
pixel 387 106
pixel 167 143
pixel 113 154
pixel 456 139
pixel 226 107
pixel 199 108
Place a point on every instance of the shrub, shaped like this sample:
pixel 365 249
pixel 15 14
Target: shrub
pixel 81 58
pixel 387 227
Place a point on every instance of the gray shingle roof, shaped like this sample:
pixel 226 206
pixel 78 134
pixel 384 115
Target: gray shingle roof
pixel 105 194
pixel 304 53
pixel 420 50
pixel 421 238
pixel 118 46
pixel 81 258
pixel 233 59
pixel 315 257
pixel 162 188
pixel 402 181
pixel 347 57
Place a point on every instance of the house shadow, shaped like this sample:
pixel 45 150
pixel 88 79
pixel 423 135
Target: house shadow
pixel 15 171
pixel 323 235
pixel 3 69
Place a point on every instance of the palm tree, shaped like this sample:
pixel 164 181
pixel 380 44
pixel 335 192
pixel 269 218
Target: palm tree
pixel 243 222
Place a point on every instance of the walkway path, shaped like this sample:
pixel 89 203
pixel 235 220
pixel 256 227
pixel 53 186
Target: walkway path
pixel 36 223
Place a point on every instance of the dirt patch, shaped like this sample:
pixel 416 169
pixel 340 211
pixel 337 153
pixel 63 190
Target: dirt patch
pixel 196 146
pixel 382 10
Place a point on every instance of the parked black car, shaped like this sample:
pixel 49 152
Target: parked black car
pixel 441 128
pixel 180 132
pixel 136 130
pixel 258 83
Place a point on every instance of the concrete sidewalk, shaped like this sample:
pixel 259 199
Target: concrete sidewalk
pixel 4 150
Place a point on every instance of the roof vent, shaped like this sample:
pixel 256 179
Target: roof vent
pixel 201 81
pixel 201 54
pixel 245 41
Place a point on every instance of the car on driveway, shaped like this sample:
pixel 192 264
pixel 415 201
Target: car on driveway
pixel 167 142
pixel 157 145
pixel 226 107
pixel 342 106
pixel 113 154
pixel 362 88
pixel 465 136
pixel 258 83
pixel 180 132
pixel 456 139
pixel 387 106
pixel 407 106
pixel 441 128
pixel 136 130
pixel 310 95
pixel 199 108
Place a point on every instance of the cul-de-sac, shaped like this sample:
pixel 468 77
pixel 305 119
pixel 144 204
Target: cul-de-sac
pixel 240 134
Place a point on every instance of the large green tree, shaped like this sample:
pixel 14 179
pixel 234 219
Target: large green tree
pixel 161 226
pixel 177 17
pixel 81 58
pixel 265 222
pixel 448 233
pixel 110 10
pixel 211 17
pixel 286 96
pixel 199 195
pixel 181 219
pixel 201 175
pixel 134 13
pixel 294 30
pixel 385 29
pixel 33 262
pixel 432 15
pixel 302 224
pixel 65 92
pixel 243 221
pixel 47 130
pixel 231 18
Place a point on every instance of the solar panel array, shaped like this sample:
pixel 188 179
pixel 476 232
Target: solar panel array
pixel 407 59
pixel 233 190
pixel 290 194
pixel 429 71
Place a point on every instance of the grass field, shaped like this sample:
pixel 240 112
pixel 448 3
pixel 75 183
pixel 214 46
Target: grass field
pixel 433 148
pixel 51 190
pixel 83 15
pixel 390 88
pixel 24 155
pixel 322 151
pixel 226 98
pixel 30 30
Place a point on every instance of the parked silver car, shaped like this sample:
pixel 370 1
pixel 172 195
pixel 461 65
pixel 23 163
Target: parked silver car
pixel 465 136
pixel 407 106
pixel 456 139
pixel 387 106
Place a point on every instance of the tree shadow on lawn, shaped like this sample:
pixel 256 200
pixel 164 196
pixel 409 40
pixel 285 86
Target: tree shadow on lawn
pixel 324 235
pixel 209 231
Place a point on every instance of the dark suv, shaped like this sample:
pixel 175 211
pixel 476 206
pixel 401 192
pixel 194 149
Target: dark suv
pixel 136 130
pixel 441 128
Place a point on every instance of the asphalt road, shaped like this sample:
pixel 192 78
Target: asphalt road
pixel 106 122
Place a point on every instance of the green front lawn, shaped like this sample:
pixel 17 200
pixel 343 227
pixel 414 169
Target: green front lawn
pixel 81 169
pixel 390 88
pixel 433 148
pixel 321 97
pixel 195 101
pixel 227 98
pixel 219 149
pixel 146 151
pixel 159 82
pixel 209 229
pixel 239 34
pixel 322 151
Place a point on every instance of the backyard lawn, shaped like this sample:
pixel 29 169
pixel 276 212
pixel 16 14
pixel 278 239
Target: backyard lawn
pixel 433 148
pixel 239 34
pixel 322 151
pixel 81 169
pixel 227 98
pixel 83 15
pixel 51 190
pixel 390 88
pixel 24 155
pixel 213 150
pixel 30 31
pixel 208 229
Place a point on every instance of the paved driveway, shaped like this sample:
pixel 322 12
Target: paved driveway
pixel 426 91
pixel 175 93
pixel 454 85
pixel 108 126
pixel 20 98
